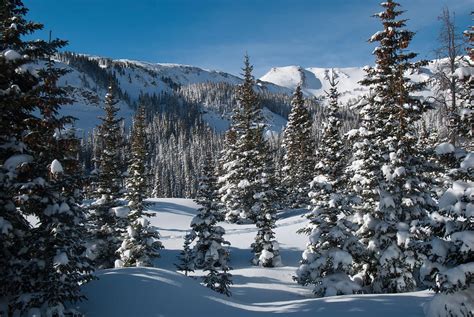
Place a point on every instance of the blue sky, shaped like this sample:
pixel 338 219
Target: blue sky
pixel 215 34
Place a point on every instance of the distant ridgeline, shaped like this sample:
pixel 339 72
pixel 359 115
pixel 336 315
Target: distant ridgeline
pixel 185 119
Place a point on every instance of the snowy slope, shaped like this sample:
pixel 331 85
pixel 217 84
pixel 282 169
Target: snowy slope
pixel 315 80
pixel 256 291
pixel 136 78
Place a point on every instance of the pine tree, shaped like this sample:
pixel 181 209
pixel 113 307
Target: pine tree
pixel 186 256
pixel 18 102
pixel 108 219
pixel 451 260
pixel 265 247
pixel 328 259
pixel 240 169
pixel 248 181
pixel 209 249
pixel 299 157
pixel 218 281
pixel 141 242
pixel 387 167
pixel 57 243
pixel 452 253
pixel 51 265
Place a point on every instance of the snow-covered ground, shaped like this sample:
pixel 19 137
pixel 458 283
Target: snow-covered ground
pixel 256 291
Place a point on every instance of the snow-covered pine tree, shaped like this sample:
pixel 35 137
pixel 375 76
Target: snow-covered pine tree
pixel 298 143
pixel 56 256
pixel 186 256
pixel 18 102
pixel 141 242
pixel 387 168
pixel 326 262
pixel 108 219
pixel 265 247
pixel 209 249
pixel 453 249
pixel 240 169
pixel 218 281
pixel 51 265
pixel 247 183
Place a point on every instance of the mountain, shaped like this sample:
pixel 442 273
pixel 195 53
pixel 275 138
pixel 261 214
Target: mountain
pixel 89 76
pixel 315 80
pixel 213 93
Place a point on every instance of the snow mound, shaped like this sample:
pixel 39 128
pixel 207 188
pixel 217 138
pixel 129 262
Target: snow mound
pixel 444 148
pixel 56 167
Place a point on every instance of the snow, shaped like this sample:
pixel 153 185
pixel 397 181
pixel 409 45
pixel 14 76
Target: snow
pixel 243 184
pixel 444 148
pixel 16 160
pixel 256 291
pixel 315 80
pixel 121 211
pixel 11 55
pixel 61 259
pixel 468 161
pixel 464 72
pixel 56 167
pixel 466 238
pixel 451 302
pixel 5 226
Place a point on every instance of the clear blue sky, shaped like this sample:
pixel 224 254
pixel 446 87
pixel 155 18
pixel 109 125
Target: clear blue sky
pixel 215 34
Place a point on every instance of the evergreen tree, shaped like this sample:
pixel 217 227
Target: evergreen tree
pixel 18 102
pixel 240 170
pixel 218 281
pixel 141 243
pixel 327 261
pixel 108 219
pixel 57 254
pixel 265 247
pixel 299 157
pixel 47 260
pixel 387 168
pixel 451 260
pixel 186 256
pixel 452 253
pixel 248 181
pixel 209 249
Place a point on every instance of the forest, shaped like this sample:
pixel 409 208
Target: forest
pixel 383 180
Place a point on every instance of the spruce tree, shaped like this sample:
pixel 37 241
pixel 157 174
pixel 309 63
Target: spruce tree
pixel 209 248
pixel 141 242
pixel 328 259
pixel 265 247
pixel 107 217
pixel 387 167
pixel 186 256
pixel 218 281
pixel 18 102
pixel 57 254
pixel 248 178
pixel 452 251
pixel 240 168
pixel 51 265
pixel 451 260
pixel 299 152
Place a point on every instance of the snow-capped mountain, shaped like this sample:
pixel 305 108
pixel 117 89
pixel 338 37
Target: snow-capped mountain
pixel 315 80
pixel 89 77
